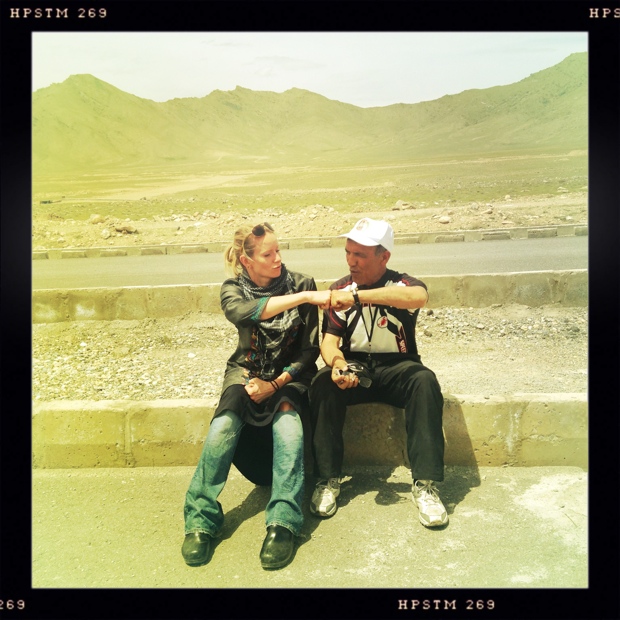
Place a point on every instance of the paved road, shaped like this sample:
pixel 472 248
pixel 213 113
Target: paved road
pixel 510 527
pixel 325 264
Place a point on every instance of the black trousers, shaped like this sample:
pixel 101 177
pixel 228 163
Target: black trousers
pixel 406 384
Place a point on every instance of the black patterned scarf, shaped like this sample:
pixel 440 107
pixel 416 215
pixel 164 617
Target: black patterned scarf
pixel 273 336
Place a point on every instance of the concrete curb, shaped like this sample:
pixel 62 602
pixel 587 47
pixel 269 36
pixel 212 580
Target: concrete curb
pixel 537 288
pixel 322 242
pixel 519 429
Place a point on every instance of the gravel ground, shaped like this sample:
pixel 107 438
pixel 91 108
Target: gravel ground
pixel 496 350
pixel 195 226
pixel 487 351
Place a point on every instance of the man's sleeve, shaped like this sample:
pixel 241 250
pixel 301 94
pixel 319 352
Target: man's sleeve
pixel 408 280
pixel 335 322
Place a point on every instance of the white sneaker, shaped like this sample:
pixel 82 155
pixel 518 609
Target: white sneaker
pixel 323 502
pixel 431 510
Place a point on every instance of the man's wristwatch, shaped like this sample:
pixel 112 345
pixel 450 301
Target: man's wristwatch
pixel 356 297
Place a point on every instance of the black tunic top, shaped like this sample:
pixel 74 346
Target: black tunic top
pixel 254 453
pixel 302 348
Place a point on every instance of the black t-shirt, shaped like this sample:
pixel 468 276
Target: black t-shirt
pixel 383 331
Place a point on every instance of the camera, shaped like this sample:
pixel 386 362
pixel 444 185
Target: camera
pixel 355 368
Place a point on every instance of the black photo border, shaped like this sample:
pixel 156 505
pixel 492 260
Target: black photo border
pixel 598 19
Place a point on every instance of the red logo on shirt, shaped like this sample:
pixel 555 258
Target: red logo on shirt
pixel 382 322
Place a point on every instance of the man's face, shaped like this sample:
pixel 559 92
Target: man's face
pixel 365 265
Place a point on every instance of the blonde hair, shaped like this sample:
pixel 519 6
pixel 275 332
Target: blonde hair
pixel 244 242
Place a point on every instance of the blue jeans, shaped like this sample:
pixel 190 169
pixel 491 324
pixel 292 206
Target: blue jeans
pixel 203 513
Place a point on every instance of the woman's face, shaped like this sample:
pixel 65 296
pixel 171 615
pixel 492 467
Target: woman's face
pixel 266 263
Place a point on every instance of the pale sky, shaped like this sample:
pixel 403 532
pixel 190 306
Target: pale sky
pixel 366 69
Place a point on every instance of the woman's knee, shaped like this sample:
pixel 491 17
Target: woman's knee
pixel 287 425
pixel 227 424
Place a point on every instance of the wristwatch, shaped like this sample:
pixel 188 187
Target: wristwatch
pixel 356 297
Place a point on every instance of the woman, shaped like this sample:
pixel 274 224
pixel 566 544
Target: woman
pixel 257 423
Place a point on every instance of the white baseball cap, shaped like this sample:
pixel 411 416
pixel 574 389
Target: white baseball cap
pixel 372 232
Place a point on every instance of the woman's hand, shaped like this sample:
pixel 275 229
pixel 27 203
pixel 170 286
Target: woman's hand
pixel 280 303
pixel 259 390
pixel 342 300
pixel 320 298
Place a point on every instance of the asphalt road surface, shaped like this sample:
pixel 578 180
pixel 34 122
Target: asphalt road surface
pixel 429 259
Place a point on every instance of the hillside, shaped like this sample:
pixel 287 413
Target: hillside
pixel 85 124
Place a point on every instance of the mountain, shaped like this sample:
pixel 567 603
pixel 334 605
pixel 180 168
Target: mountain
pixel 86 125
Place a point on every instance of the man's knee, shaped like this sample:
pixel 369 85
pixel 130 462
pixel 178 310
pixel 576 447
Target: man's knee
pixel 427 377
pixel 322 381
pixel 417 377
pixel 421 384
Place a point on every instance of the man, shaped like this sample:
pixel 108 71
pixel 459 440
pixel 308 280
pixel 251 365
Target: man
pixel 372 321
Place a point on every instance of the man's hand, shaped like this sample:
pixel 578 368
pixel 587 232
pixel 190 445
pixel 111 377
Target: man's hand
pixel 341 300
pixel 343 381
pixel 320 298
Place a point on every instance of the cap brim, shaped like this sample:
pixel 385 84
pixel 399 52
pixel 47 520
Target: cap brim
pixel 362 240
